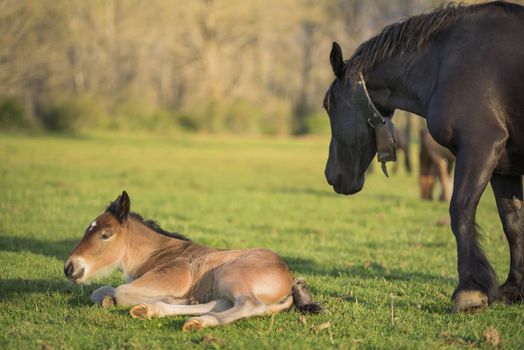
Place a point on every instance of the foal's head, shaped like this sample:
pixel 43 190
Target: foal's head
pixel 102 247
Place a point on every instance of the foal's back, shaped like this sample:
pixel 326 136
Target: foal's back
pixel 259 274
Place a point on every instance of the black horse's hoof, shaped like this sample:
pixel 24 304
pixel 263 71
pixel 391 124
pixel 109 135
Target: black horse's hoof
pixel 510 293
pixel 469 301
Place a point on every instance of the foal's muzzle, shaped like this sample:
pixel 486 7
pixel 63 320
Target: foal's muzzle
pixel 71 274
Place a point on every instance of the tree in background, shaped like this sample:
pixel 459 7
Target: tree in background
pixel 258 66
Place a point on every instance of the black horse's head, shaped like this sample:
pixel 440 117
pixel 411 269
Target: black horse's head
pixel 353 145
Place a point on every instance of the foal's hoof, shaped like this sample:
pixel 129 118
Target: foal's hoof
pixel 108 301
pixel 469 301
pixel 140 311
pixel 192 325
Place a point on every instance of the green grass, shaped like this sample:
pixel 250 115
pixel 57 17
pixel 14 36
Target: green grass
pixel 378 261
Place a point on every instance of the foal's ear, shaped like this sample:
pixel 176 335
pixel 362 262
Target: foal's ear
pixel 337 61
pixel 120 207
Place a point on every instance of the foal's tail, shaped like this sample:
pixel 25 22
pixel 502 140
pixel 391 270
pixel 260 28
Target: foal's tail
pixel 302 297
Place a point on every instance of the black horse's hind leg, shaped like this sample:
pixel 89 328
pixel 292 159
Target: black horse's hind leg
pixel 477 280
pixel 508 193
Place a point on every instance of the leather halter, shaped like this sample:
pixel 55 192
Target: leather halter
pixel 385 134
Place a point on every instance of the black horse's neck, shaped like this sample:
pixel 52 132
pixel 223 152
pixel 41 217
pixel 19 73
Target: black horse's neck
pixel 405 82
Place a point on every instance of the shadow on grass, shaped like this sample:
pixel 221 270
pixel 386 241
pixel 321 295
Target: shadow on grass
pixel 385 197
pixel 374 271
pixel 366 271
pixel 306 191
pixel 57 249
pixel 12 288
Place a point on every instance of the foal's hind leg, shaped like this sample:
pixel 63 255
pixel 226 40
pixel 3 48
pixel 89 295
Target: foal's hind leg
pixel 243 307
pixel 508 193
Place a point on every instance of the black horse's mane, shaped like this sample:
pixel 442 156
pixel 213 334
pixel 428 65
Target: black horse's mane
pixel 412 34
pixel 112 208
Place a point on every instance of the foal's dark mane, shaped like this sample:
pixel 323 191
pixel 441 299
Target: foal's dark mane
pixel 156 227
pixel 412 34
pixel 112 208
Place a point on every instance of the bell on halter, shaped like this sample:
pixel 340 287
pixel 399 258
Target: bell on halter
pixel 384 168
pixel 385 135
pixel 386 144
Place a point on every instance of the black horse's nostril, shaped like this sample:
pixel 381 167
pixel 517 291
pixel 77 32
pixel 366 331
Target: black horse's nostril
pixel 68 270
pixel 329 180
pixel 336 180
pixel 329 177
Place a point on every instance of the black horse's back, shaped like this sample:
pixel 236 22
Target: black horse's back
pixel 483 72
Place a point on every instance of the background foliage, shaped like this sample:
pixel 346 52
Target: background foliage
pixel 258 66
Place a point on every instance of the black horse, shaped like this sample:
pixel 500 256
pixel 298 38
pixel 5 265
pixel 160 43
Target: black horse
pixel 462 69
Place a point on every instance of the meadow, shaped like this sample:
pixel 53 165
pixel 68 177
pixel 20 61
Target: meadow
pixel 382 262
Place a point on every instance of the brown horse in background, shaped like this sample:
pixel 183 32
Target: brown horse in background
pixel 168 273
pixel 436 162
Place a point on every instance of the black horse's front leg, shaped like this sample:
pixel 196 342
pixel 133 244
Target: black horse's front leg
pixel 508 193
pixel 477 280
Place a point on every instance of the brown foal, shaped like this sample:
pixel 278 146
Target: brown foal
pixel 169 274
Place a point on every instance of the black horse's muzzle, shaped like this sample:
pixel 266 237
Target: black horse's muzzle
pixel 341 186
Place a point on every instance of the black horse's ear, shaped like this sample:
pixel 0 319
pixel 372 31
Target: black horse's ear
pixel 337 61
pixel 120 207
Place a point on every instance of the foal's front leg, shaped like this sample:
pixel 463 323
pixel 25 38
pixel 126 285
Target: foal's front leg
pixel 168 286
pixel 508 193
pixel 106 296
pixel 103 296
pixel 243 307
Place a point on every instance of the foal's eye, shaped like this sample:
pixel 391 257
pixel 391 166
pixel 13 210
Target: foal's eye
pixel 104 236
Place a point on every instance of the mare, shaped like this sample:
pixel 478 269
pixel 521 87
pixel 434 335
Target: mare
pixel 462 69
pixel 167 273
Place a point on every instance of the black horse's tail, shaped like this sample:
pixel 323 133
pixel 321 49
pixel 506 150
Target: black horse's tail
pixel 303 299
